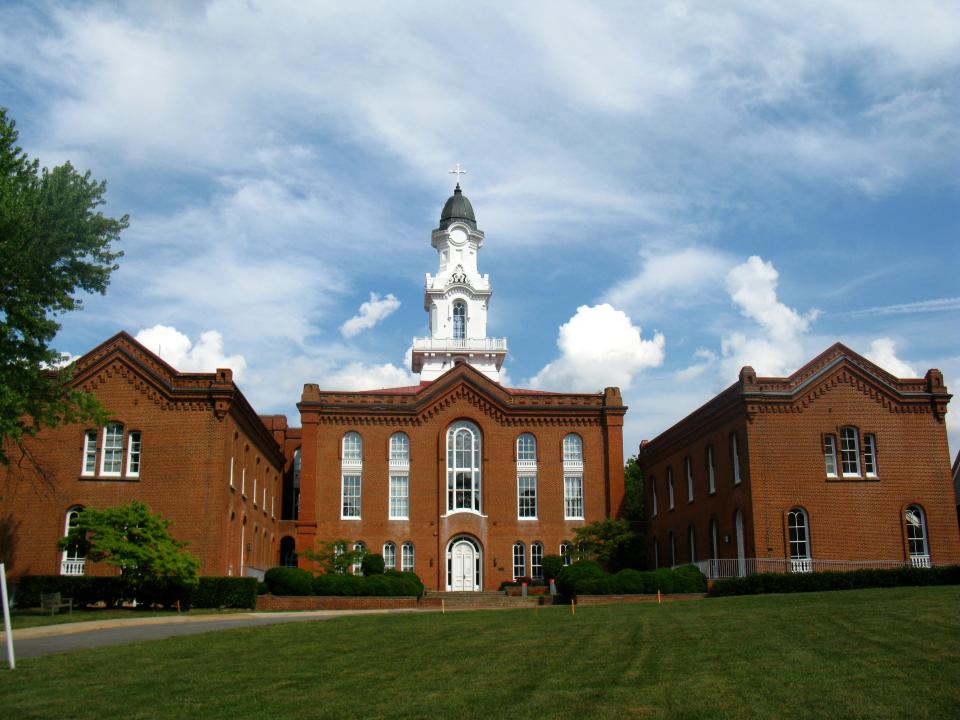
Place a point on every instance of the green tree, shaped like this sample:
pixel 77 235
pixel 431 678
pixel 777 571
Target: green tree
pixel 54 245
pixel 633 491
pixel 136 541
pixel 608 542
pixel 336 556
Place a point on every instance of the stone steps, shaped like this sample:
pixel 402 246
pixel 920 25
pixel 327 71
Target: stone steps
pixel 476 600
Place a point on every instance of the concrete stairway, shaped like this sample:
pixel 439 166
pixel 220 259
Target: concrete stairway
pixel 476 600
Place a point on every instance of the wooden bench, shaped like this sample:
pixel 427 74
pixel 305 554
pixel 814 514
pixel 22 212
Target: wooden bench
pixel 53 602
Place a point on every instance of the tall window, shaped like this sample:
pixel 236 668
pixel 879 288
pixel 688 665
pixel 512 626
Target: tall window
pixel 399 449
pixel 689 469
pixel 573 497
pixel 133 453
pixel 536 561
pixel 526 448
pixel 74 556
pixel 90 452
pixel 714 540
pixel 799 536
pixel 830 455
pixel 656 554
pixel 527 497
pixel 711 471
pixel 361 550
pixel 735 458
pixel 352 449
pixel 463 467
pixel 112 458
pixel 566 552
pixel 519 561
pixel 670 488
pixel 399 497
pixel 389 556
pixel 673 550
pixel 406 557
pixel 917 536
pixel 459 321
pixel 849 452
pixel 572 449
pixel 870 455
pixel 351 497
pixel 692 543
pixel 653 490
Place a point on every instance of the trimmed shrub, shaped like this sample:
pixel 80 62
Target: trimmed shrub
pixel 587 578
pixel 823 581
pixel 552 565
pixel 289 581
pixel 689 579
pixel 389 584
pixel 372 564
pixel 521 580
pixel 226 592
pixel 580 577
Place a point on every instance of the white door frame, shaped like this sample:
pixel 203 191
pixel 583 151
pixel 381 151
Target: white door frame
pixel 478 561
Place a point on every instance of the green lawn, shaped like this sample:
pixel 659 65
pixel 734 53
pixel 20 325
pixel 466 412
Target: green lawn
pixel 35 617
pixel 871 653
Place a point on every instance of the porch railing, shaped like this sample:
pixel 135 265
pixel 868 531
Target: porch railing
pixel 734 567
pixel 72 567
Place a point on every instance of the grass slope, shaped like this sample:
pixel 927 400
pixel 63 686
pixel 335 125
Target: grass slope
pixel 869 653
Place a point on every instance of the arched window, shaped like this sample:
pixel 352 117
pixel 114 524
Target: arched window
pixel 295 486
pixel 656 554
pixel 711 471
pixel 653 490
pixel 566 552
pixel 389 556
pixel 799 540
pixel 573 449
pixel 673 549
pixel 536 561
pixel 917 536
pixel 714 540
pixel 74 556
pixel 526 448
pixel 689 468
pixel 360 550
pixel 670 488
pixel 735 458
pixel 519 561
pixel 406 557
pixel 692 544
pixel 741 551
pixel 352 448
pixel 463 467
pixel 459 321
pixel 399 449
pixel 288 552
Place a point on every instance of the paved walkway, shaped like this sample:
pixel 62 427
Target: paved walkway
pixel 49 639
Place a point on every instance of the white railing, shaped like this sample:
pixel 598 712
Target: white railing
pixel 72 567
pixel 733 567
pixel 526 464
pixel 396 464
pixel 351 463
pixel 431 344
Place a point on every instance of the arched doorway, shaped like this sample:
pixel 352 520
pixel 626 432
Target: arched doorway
pixel 288 552
pixel 464 563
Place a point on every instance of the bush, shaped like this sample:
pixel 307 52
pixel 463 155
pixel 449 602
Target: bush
pixel 289 581
pixel 824 581
pixel 521 580
pixel 576 578
pixel 84 589
pixel 372 564
pixel 587 578
pixel 389 584
pixel 226 592
pixel 552 565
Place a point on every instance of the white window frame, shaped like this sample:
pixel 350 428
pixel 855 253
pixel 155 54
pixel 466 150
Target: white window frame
pixel 798 529
pixel 850 456
pixel 711 472
pixel 231 470
pixel 572 450
pixel 918 546
pixel 870 455
pixel 536 561
pixel 399 450
pixel 459 329
pixel 351 449
pixel 735 458
pixel 357 567
pixel 356 493
pixel 526 451
pixel 115 451
pixel 519 560
pixel 70 562
pixel 457 472
pixel 526 502
pixel 408 557
pixel 692 543
pixel 673 549
pixel 254 491
pixel 670 494
pixel 714 539
pixel 573 501
pixel 566 552
pixel 830 455
pixel 399 502
pixel 134 452
pixel 389 555
pixel 689 468
pixel 89 467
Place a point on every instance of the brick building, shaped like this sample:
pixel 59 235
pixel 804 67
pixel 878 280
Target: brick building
pixel 838 465
pixel 187 444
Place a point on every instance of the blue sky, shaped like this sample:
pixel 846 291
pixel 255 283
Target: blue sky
pixel 669 191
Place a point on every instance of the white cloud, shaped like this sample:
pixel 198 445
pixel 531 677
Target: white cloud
pixel 708 359
pixel 179 351
pixel 883 352
pixel 778 351
pixel 599 347
pixel 367 376
pixel 371 312
pixel 947 304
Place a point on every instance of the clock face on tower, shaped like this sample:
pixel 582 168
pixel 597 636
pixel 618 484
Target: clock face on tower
pixel 458 236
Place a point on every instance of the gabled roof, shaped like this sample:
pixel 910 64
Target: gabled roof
pixel 413 400
pixel 752 393
pixel 154 375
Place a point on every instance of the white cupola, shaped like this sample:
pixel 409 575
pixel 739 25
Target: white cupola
pixel 456 299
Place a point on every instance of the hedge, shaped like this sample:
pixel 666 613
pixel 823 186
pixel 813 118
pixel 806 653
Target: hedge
pixel 587 578
pixel 370 585
pixel 521 580
pixel 849 580
pixel 210 592
pixel 289 581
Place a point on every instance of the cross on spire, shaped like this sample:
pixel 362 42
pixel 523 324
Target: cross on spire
pixel 458 171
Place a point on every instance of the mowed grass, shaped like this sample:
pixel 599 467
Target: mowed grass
pixel 887 653
pixel 35 617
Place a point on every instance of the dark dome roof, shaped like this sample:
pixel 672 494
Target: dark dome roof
pixel 457 208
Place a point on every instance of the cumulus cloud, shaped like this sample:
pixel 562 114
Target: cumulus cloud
pixel 371 312
pixel 367 376
pixel 883 351
pixel 778 350
pixel 179 351
pixel 599 346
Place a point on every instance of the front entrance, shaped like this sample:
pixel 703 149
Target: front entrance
pixel 463 565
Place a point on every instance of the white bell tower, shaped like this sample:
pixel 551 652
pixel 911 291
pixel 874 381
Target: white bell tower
pixel 456 299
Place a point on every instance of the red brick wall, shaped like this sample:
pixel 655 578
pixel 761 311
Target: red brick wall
pixel 324 602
